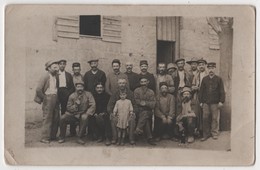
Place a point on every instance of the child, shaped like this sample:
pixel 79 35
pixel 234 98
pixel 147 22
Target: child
pixel 185 121
pixel 123 109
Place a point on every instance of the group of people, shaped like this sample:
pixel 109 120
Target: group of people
pixel 174 104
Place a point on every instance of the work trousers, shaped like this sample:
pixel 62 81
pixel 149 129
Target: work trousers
pixel 68 118
pixel 144 122
pixel 103 125
pixel 51 116
pixel 211 115
pixel 161 128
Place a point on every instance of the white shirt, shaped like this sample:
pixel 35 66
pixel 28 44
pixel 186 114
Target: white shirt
pixel 202 75
pixel 181 75
pixel 52 89
pixel 62 79
pixel 94 72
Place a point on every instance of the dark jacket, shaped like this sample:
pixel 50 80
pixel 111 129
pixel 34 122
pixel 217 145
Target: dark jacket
pixel 151 78
pixel 187 80
pixel 101 102
pixel 69 82
pixel 212 90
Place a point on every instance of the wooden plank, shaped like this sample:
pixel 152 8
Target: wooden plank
pixel 114 27
pixel 68 35
pixel 73 18
pixel 164 28
pixel 173 28
pixel 118 29
pixel 107 22
pixel 114 18
pixel 159 28
pixel 68 22
pixel 67 29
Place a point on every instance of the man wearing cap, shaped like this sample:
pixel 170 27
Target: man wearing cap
pixel 211 98
pixel 145 100
pixel 163 77
pixel 194 67
pixel 66 86
pixel 171 69
pixel 164 120
pixel 122 88
pixel 133 78
pixel 93 76
pixel 149 76
pixel 46 93
pixel 112 78
pixel 81 105
pixel 195 90
pixel 77 77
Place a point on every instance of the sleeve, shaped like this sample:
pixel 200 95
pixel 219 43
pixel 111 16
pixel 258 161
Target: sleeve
pixel 137 97
pixel 111 104
pixel 127 81
pixel 107 86
pixel 170 84
pixel 202 90
pixel 115 110
pixel 153 83
pixel 151 100
pixel 72 107
pixel 131 107
pixel 172 106
pixel 133 100
pixel 39 88
pixel 92 105
pixel 221 91
pixel 85 81
pixel 71 86
pixel 195 80
pixel 157 111
pixel 103 78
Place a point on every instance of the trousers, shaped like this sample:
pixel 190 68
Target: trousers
pixel 161 128
pixel 103 125
pixel 144 122
pixel 211 115
pixel 51 116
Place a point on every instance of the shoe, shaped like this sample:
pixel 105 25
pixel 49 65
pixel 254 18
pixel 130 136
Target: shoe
pixel 100 140
pixel 46 141
pixel 151 142
pixel 158 139
pixel 138 132
pixel 165 137
pixel 80 141
pixel 203 139
pixel 190 139
pixel 132 142
pixel 108 142
pixel 71 135
pixel 215 137
pixel 174 139
pixel 61 140
pixel 113 142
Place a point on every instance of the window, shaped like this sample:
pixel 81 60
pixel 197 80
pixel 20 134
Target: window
pixel 90 25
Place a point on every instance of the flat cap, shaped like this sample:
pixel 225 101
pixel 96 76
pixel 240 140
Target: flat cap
pixel 163 84
pixel 171 65
pixel 186 89
pixel 92 60
pixel 49 63
pixel 202 61
pixel 179 59
pixel 212 64
pixel 143 62
pixel 76 64
pixel 63 60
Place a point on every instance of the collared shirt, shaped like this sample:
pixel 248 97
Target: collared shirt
pixel 52 89
pixel 112 82
pixel 202 75
pixel 181 75
pixel 62 79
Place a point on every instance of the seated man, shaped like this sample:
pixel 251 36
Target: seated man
pixel 186 120
pixel 145 100
pixel 81 105
pixel 122 88
pixel 101 115
pixel 164 120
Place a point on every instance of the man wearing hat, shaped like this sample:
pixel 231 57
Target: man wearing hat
pixel 195 90
pixel 145 101
pixel 122 88
pixel 77 77
pixel 133 78
pixel 66 86
pixel 186 117
pixel 164 119
pixel 211 98
pixel 93 76
pixel 112 78
pixel 149 76
pixel 46 93
pixel 194 67
pixel 171 69
pixel 81 105
pixel 162 76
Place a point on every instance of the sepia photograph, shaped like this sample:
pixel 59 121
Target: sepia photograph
pixel 121 84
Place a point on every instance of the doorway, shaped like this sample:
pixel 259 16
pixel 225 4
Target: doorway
pixel 165 51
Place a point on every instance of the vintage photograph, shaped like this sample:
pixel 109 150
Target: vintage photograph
pixel 126 82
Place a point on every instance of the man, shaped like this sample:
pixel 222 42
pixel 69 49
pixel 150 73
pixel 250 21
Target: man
pixel 122 88
pixel 163 77
pixel 101 115
pixel 211 98
pixel 149 76
pixel 66 86
pixel 145 100
pixel 133 78
pixel 81 105
pixel 182 79
pixel 194 67
pixel 164 120
pixel 77 77
pixel 93 76
pixel 195 91
pixel 171 69
pixel 46 93
pixel 112 78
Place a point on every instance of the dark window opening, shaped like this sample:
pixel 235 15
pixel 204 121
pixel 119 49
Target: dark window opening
pixel 90 25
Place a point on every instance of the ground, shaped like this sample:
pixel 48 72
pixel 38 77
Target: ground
pixel 33 136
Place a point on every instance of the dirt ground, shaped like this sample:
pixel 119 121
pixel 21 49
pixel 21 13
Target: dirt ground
pixel 33 136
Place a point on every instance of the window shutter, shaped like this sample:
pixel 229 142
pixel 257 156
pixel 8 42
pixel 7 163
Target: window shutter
pixel 214 39
pixel 66 27
pixel 111 29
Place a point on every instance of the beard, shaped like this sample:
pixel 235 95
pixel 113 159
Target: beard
pixel 186 99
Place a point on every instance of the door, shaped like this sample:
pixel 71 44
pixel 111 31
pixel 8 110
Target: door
pixel 165 51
